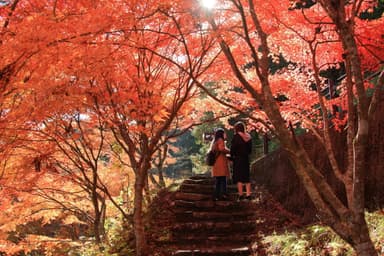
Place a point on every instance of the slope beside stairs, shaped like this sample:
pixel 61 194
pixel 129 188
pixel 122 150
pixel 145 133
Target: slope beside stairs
pixel 190 222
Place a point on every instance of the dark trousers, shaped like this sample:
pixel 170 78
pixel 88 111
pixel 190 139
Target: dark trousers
pixel 220 186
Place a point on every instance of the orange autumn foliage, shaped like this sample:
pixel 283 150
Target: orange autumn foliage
pixel 138 66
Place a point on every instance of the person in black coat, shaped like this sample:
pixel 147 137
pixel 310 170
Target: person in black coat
pixel 241 148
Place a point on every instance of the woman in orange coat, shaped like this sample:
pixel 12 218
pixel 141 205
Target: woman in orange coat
pixel 220 169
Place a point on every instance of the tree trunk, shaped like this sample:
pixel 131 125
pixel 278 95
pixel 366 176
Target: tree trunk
pixel 138 223
pixel 103 210
pixel 96 230
pixel 347 221
pixel 96 221
pixel 362 242
pixel 161 178
pixel 348 224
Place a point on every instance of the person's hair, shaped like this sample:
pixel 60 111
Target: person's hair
pixel 239 127
pixel 219 133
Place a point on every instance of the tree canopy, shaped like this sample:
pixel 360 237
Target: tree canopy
pixel 86 81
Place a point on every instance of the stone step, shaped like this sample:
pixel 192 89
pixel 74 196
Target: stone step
pixel 191 196
pixel 197 195
pixel 237 209
pixel 198 225
pixel 224 205
pixel 239 234
pixel 242 249
pixel 201 176
pixel 234 252
pixel 204 188
pixel 214 226
pixel 207 183
pixel 227 215
pixel 208 237
pixel 202 181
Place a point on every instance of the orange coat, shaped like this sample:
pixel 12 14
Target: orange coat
pixel 220 168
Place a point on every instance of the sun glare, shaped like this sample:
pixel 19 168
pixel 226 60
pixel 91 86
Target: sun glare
pixel 209 4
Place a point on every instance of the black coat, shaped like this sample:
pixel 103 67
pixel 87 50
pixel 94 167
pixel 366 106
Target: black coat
pixel 240 151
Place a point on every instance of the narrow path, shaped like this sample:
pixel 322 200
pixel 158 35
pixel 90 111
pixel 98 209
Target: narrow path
pixel 189 222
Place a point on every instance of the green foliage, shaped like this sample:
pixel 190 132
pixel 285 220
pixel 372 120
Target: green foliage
pixel 118 241
pixel 116 148
pixel 206 127
pixel 334 72
pixel 277 63
pixel 303 4
pixel 273 145
pixel 375 222
pixel 211 85
pixel 320 240
pixel 186 146
pixel 198 158
pixel 90 249
pixel 285 244
pixel 376 13
pixel 314 240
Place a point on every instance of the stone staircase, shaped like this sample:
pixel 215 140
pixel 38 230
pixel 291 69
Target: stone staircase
pixel 189 222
